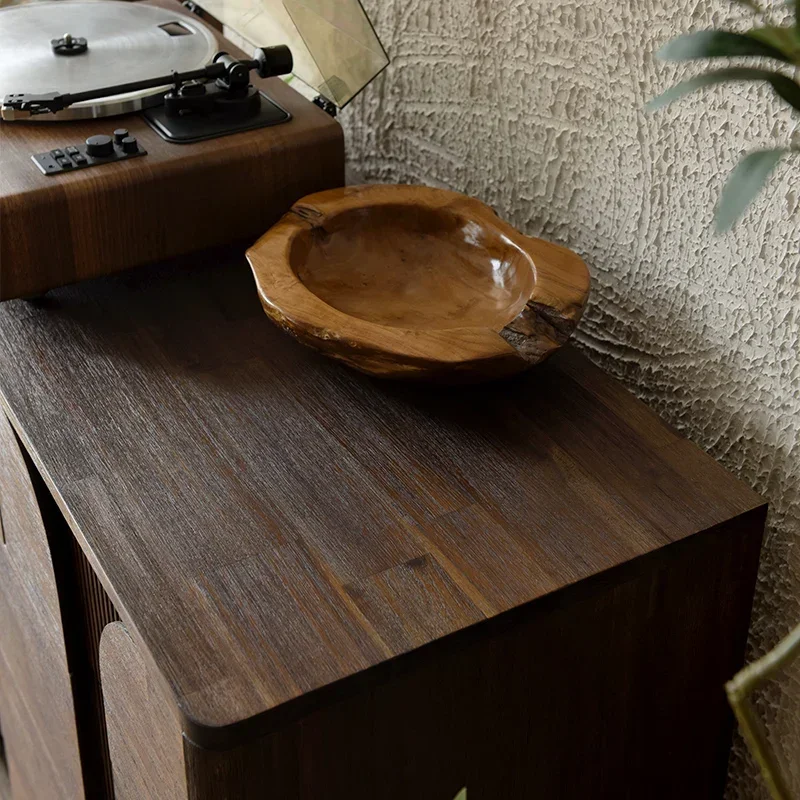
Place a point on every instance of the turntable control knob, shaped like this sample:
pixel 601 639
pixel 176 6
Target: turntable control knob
pixel 100 146
pixel 120 134
pixel 130 145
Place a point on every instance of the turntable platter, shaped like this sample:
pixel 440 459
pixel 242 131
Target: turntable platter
pixel 125 42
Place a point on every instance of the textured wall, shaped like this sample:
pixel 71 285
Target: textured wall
pixel 535 106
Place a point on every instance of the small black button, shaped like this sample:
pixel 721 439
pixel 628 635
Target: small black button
pixel 71 151
pixel 130 145
pixel 120 134
pixel 57 153
pixel 64 163
pixel 79 159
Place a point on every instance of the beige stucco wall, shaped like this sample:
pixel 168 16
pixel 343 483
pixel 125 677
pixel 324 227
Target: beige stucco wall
pixel 535 106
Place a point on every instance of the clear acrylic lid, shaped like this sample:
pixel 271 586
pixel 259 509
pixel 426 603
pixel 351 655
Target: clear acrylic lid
pixel 335 48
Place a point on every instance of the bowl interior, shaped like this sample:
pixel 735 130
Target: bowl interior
pixel 414 267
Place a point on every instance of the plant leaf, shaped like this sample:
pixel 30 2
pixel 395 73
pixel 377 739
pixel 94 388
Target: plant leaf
pixel 784 39
pixel 462 795
pixel 784 86
pixel 744 183
pixel 716 44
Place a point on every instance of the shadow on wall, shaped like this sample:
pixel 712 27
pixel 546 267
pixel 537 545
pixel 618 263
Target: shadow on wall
pixel 537 108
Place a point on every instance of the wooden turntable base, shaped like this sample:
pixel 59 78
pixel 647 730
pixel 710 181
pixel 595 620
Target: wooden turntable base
pixel 178 199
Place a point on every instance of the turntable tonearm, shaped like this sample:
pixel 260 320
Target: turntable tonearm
pixel 227 145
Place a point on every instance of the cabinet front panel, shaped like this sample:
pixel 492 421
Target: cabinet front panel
pixel 36 701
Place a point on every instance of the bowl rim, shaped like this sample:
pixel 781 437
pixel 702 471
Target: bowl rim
pixel 558 295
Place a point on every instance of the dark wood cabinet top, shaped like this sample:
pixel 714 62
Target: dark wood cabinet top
pixel 271 523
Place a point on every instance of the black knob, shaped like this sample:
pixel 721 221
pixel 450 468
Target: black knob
pixel 272 61
pixel 130 145
pixel 100 146
pixel 120 134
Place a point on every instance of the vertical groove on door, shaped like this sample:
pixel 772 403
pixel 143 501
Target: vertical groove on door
pixel 98 612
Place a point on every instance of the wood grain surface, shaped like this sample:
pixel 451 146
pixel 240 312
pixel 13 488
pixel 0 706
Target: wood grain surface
pixel 605 696
pixel 36 702
pixel 275 528
pixel 178 198
pixel 417 282
pixel 610 695
pixel 85 611
pixel 144 732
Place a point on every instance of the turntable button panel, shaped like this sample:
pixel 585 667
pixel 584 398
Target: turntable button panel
pixel 72 157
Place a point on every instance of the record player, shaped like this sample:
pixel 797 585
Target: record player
pixel 131 132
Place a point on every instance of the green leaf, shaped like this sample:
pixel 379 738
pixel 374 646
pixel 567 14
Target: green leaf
pixel 716 44
pixel 784 87
pixel 744 184
pixel 785 39
pixel 462 795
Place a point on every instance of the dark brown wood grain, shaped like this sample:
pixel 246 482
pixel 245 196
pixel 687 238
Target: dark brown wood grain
pixel 145 734
pixel 36 703
pixel 179 198
pixel 276 529
pixel 85 612
pixel 608 693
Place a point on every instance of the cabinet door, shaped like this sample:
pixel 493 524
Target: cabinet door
pixel 36 701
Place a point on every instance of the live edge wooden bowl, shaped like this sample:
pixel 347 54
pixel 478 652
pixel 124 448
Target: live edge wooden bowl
pixel 415 282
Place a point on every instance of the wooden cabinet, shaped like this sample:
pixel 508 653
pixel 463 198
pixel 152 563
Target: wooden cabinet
pixel 603 692
pixel 37 713
pixel 330 586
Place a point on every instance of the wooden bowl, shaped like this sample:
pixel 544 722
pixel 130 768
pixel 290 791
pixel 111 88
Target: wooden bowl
pixel 414 282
